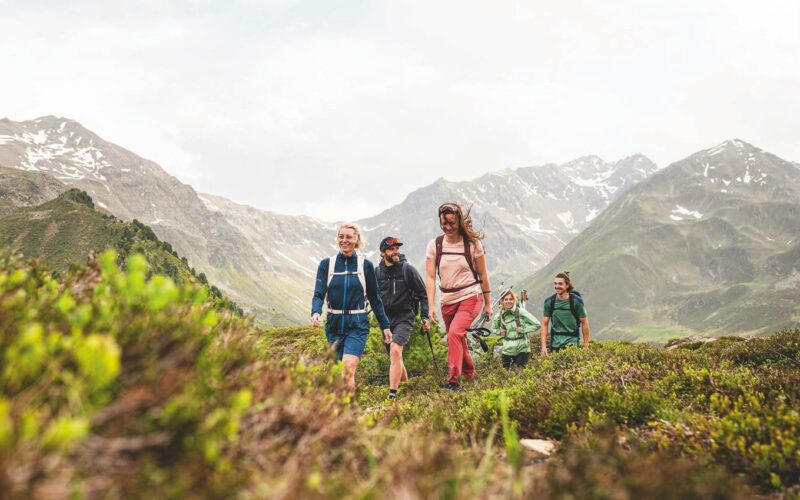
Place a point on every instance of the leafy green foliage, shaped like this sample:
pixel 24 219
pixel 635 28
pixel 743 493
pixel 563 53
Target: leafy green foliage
pixel 121 382
pixel 65 231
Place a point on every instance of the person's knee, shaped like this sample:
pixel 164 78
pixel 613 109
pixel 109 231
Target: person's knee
pixel 396 352
pixel 350 362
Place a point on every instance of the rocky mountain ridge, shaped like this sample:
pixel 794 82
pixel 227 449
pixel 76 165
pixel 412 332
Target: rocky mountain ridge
pixel 709 244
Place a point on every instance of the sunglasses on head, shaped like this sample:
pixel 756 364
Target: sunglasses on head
pixel 448 208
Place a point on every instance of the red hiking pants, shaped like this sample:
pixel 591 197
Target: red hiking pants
pixel 457 318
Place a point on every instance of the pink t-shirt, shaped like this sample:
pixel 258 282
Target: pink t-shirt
pixel 454 270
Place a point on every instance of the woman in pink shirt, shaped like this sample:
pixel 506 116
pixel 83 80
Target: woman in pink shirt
pixel 458 258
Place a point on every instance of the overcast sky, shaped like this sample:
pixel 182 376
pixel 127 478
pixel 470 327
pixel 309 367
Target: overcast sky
pixel 338 109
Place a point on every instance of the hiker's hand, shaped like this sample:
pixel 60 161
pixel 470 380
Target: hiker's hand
pixel 426 325
pixel 387 336
pixel 519 329
pixel 502 333
pixel 487 309
pixel 433 315
pixel 316 320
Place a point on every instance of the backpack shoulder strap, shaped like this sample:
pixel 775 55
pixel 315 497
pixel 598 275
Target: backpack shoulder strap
pixel 413 280
pixel 468 256
pixel 574 308
pixel 552 300
pixel 360 272
pixel 516 315
pixel 331 268
pixel 439 242
pixel 408 277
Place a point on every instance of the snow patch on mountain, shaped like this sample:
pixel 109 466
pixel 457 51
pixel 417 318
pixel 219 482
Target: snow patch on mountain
pixel 567 219
pixel 534 226
pixel 680 213
pixel 45 150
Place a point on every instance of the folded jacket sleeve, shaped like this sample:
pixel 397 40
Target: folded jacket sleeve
pixel 530 324
pixel 321 287
pixel 373 295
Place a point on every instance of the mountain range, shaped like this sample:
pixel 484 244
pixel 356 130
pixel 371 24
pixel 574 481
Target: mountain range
pixel 131 187
pixel 709 244
pixel 267 261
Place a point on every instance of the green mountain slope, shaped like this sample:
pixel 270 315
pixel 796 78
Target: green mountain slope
pixel 63 232
pixel 710 244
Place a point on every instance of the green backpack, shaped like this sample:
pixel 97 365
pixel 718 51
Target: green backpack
pixel 516 320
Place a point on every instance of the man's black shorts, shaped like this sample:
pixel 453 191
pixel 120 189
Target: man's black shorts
pixel 402 326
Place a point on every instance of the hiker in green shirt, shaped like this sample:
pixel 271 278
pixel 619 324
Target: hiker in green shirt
pixel 514 324
pixel 564 317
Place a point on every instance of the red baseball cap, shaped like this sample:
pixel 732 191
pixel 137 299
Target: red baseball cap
pixel 388 242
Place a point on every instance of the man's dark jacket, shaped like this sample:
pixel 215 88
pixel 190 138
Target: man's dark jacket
pixel 402 289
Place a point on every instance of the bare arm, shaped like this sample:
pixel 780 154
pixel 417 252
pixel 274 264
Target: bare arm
pixel 486 285
pixel 543 334
pixel 585 329
pixel 430 288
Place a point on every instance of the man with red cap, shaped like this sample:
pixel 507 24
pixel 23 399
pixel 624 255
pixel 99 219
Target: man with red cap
pixel 403 295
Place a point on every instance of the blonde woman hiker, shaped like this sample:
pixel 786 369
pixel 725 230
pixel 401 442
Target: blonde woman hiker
pixel 458 258
pixel 514 325
pixel 347 283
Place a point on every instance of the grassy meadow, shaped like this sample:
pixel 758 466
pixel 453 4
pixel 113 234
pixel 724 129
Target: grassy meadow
pixel 116 382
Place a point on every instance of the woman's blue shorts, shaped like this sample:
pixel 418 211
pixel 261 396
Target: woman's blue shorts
pixel 353 342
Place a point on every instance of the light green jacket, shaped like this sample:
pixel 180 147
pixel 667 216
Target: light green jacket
pixel 505 325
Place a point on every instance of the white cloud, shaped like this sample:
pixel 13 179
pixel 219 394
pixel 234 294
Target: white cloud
pixel 339 109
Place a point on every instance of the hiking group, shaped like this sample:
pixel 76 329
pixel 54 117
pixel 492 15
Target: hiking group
pixel 350 286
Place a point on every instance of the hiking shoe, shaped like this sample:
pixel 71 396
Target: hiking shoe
pixel 451 386
pixel 392 396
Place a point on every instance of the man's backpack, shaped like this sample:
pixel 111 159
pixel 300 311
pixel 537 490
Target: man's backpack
pixel 408 277
pixel 467 255
pixel 361 279
pixel 574 298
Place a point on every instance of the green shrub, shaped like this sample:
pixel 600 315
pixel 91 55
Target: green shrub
pixel 123 382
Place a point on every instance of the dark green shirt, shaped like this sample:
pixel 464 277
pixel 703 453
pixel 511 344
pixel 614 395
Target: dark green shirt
pixel 562 320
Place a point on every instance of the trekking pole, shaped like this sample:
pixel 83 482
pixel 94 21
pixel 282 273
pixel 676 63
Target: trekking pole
pixel 433 356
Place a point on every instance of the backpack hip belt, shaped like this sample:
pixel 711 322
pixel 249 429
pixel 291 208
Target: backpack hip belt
pixel 346 311
pixel 458 289
pixel 577 335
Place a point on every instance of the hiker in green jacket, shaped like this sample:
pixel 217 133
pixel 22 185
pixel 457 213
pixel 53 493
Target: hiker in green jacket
pixel 514 324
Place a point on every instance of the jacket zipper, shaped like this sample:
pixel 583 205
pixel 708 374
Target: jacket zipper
pixel 344 296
